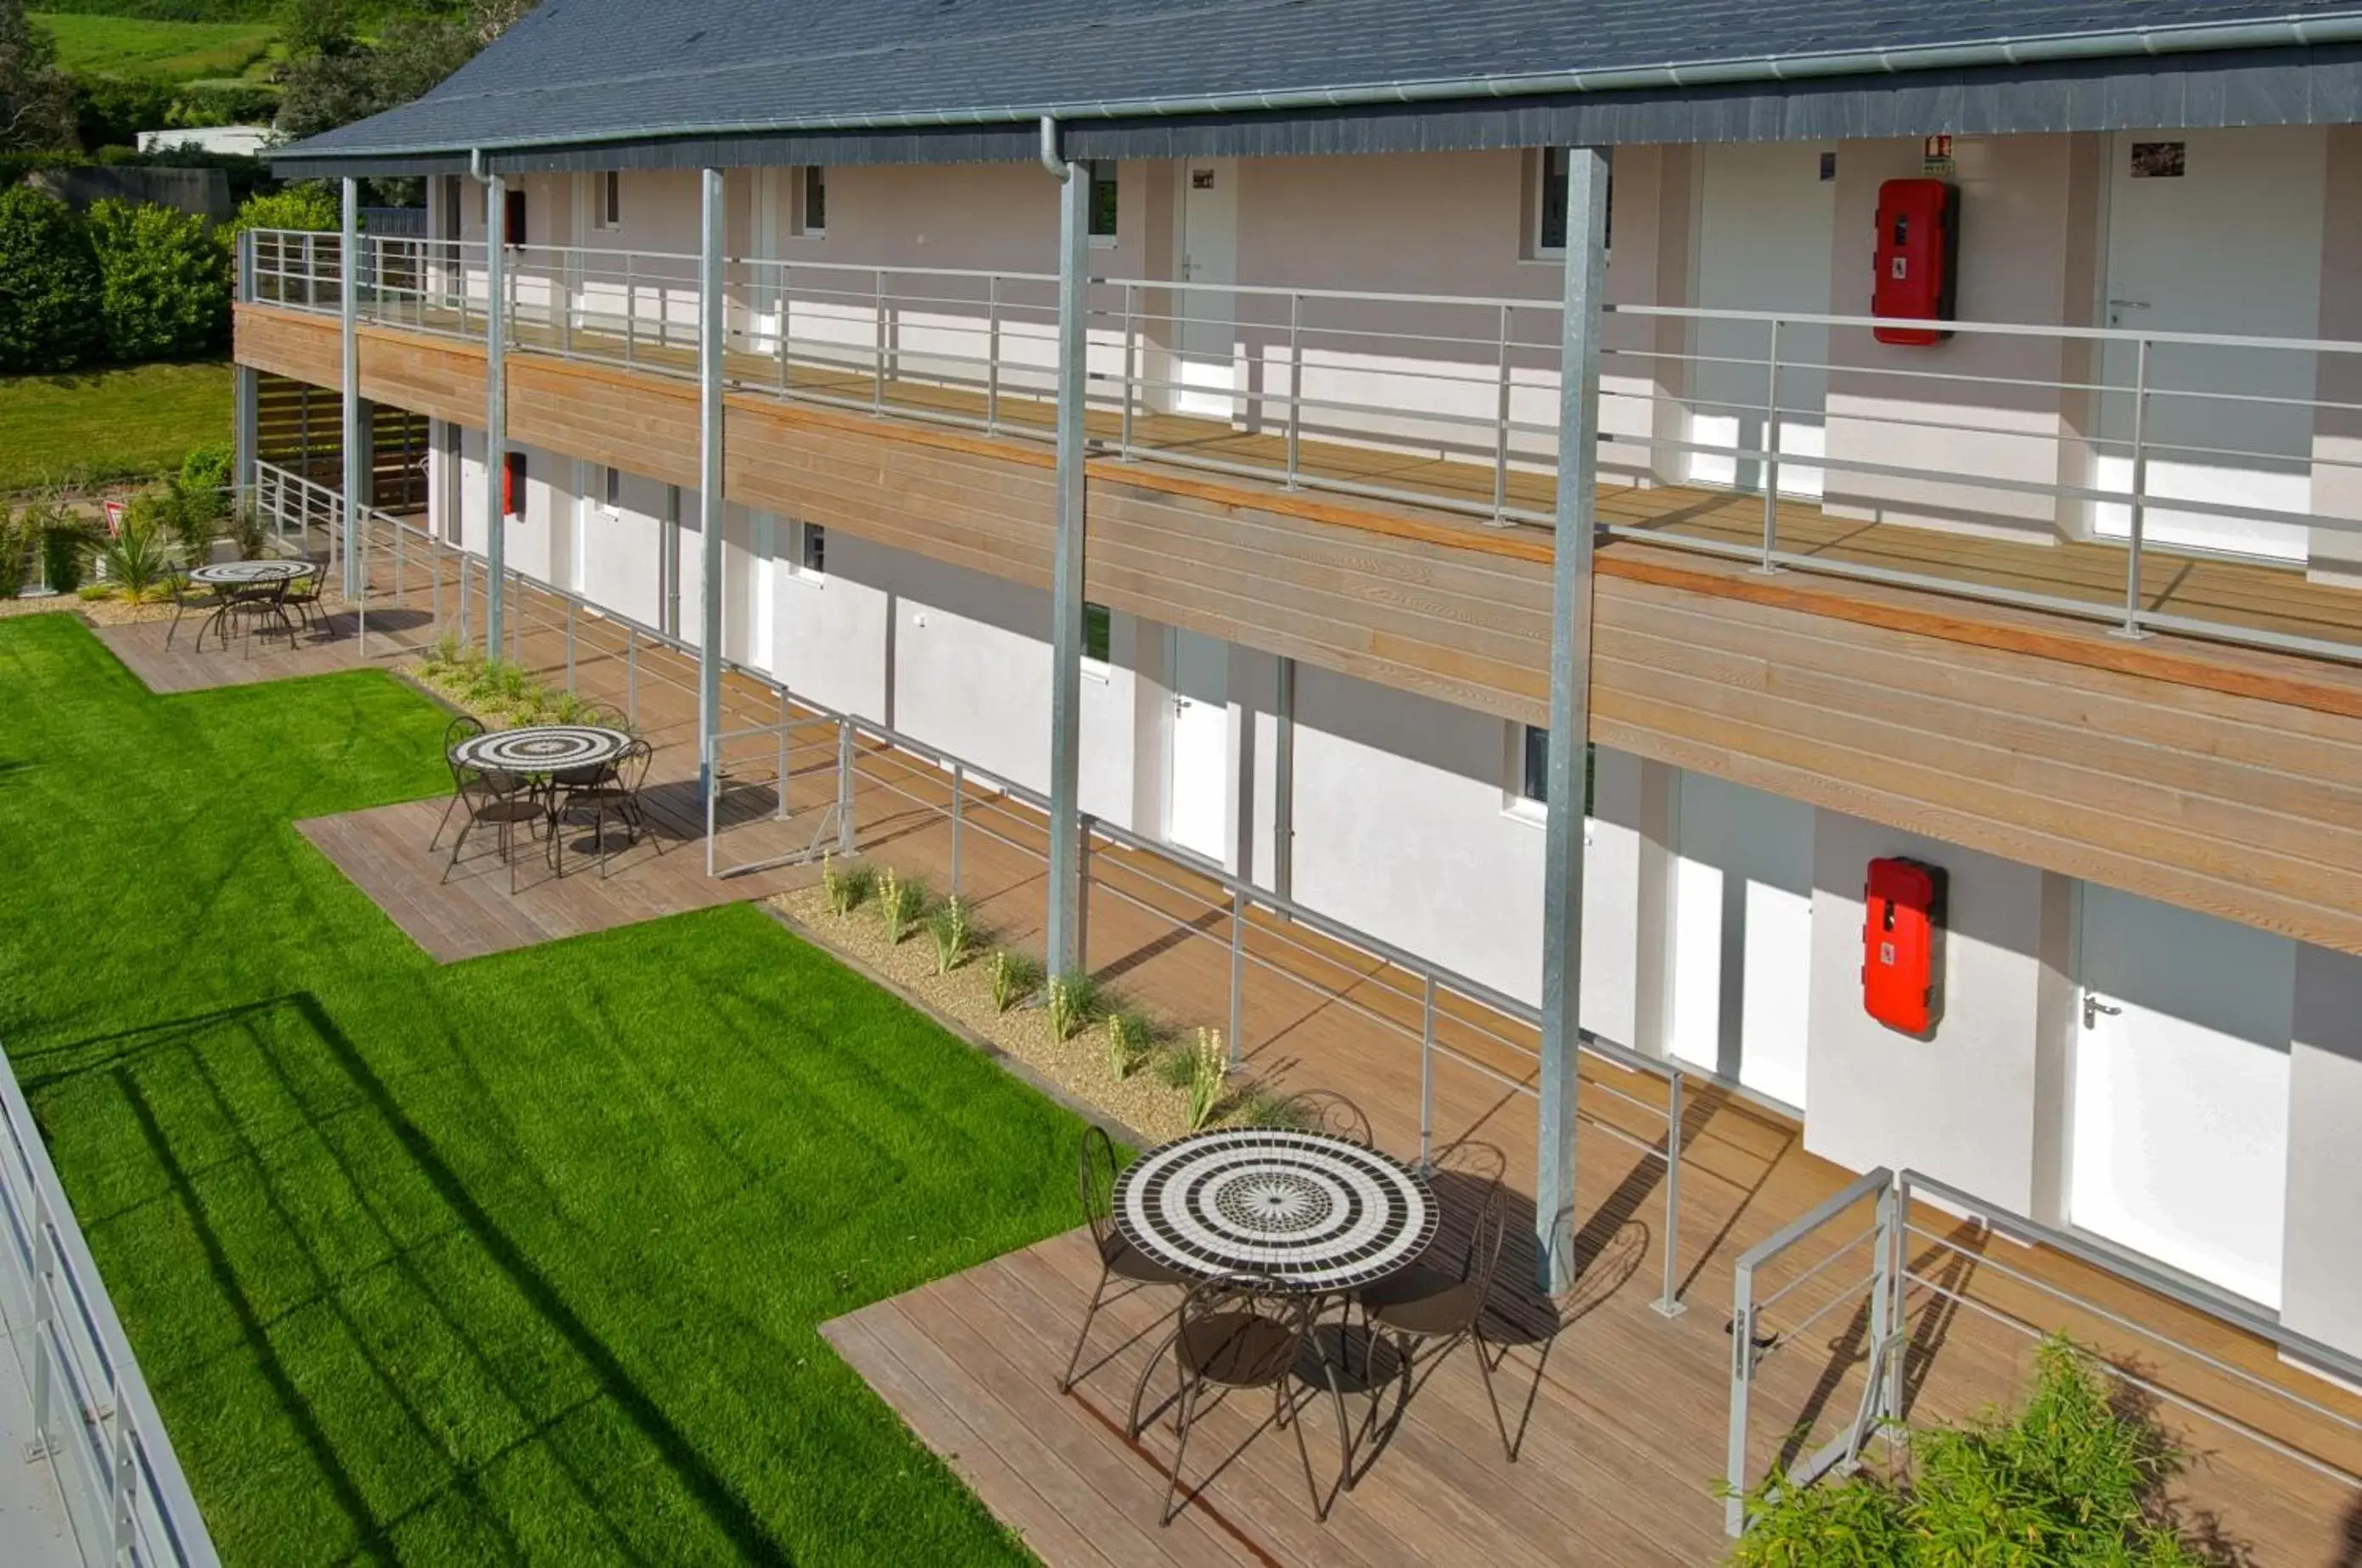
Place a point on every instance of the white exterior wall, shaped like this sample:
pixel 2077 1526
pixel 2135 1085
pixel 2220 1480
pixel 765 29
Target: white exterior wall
pixel 2320 1292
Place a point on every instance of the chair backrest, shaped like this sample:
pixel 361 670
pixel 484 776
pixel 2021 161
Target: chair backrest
pixel 632 768
pixel 1484 1241
pixel 1095 1172
pixel 1324 1111
pixel 464 727
pixel 1265 1330
pixel 606 715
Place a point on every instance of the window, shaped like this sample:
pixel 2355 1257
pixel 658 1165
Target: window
pixel 1533 768
pixel 512 479
pixel 607 200
pixel 514 218
pixel 1550 203
pixel 1103 200
pixel 1097 632
pixel 815 202
pixel 806 550
pixel 614 491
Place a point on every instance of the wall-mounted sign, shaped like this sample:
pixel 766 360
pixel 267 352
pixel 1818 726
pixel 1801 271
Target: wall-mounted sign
pixel 2158 160
pixel 1828 166
pixel 1936 155
pixel 1201 180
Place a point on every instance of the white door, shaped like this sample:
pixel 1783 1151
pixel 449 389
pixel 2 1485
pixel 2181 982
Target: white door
pixel 1197 792
pixel 1767 221
pixel 1206 363
pixel 2231 244
pixel 774 192
pixel 2180 1131
pixel 1742 935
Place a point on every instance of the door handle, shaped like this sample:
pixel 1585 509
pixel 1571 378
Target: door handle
pixel 2093 1008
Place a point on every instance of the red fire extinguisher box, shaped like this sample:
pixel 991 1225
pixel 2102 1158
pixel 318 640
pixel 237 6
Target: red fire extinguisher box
pixel 1917 258
pixel 1902 944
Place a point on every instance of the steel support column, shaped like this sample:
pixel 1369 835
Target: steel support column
pixel 1064 923
pixel 1570 713
pixel 356 446
pixel 710 344
pixel 496 414
pixel 246 390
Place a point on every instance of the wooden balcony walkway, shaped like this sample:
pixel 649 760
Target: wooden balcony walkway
pixel 1621 1411
pixel 2202 587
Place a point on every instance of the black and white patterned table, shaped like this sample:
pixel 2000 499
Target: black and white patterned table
pixel 1310 1212
pixel 252 574
pixel 539 749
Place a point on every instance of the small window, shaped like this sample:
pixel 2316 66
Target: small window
pixel 1549 205
pixel 1103 199
pixel 512 477
pixel 614 491
pixel 1097 632
pixel 815 201
pixel 811 549
pixel 607 200
pixel 1533 768
pixel 513 234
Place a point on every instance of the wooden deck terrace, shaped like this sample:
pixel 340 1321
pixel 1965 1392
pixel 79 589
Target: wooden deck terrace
pixel 1620 1411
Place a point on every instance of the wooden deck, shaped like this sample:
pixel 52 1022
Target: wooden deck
pixel 1620 1410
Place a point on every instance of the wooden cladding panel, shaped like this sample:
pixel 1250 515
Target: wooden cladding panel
pixel 2221 780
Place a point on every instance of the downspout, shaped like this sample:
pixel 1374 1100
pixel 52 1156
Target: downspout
pixel 1065 938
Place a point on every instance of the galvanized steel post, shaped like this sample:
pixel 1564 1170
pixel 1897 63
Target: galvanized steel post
pixel 1570 715
pixel 356 438
pixel 709 349
pixel 496 405
pixel 1066 850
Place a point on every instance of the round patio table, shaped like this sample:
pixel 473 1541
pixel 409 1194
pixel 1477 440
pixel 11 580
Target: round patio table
pixel 1308 1211
pixel 542 749
pixel 252 574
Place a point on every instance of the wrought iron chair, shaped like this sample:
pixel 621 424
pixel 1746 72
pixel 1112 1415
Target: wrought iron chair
pixel 460 728
pixel 260 607
pixel 1095 1172
pixel 502 802
pixel 614 789
pixel 303 596
pixel 188 600
pixel 1326 1112
pixel 1239 1332
pixel 1423 1304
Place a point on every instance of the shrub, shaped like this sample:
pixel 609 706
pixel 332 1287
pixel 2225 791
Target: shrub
pixel 62 538
pixel 209 469
pixel 309 207
pixel 49 317
pixel 164 281
pixel 1014 976
pixel 16 548
pixel 899 904
pixel 1072 1000
pixel 844 886
pixel 2071 1479
pixel 244 524
pixel 949 926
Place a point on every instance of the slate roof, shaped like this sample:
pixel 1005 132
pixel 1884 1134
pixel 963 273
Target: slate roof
pixel 581 71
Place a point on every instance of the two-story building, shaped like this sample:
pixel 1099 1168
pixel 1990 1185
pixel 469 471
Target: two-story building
pixel 2060 594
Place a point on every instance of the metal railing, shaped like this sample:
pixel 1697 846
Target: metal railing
pixel 1913 1269
pixel 95 1424
pixel 2138 440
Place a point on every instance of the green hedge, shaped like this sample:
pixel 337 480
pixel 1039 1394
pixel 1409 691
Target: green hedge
pixel 49 317
pixel 164 281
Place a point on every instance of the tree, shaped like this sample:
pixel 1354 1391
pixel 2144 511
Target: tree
pixel 49 317
pixel 36 99
pixel 164 281
pixel 335 79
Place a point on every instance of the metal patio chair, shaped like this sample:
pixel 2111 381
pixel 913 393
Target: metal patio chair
pixel 460 728
pixel 188 600
pixel 302 595
pixel 1239 1333
pixel 613 789
pixel 1095 1172
pixel 1424 1304
pixel 1326 1112
pixel 502 802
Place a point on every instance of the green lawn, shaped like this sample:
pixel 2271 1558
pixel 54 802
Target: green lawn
pixel 517 1260
pixel 135 46
pixel 95 426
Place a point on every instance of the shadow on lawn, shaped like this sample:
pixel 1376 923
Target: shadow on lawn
pixel 728 1511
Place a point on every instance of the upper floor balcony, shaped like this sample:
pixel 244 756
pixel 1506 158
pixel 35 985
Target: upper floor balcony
pixel 2198 484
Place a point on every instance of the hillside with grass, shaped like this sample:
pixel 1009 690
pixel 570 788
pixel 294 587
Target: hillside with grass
pixel 99 44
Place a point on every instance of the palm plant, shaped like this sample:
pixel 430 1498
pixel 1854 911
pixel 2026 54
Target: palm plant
pixel 137 559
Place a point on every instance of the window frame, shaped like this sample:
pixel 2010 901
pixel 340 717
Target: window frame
pixel 1530 757
pixel 1105 174
pixel 1541 184
pixel 813 180
pixel 610 491
pixel 807 550
pixel 607 200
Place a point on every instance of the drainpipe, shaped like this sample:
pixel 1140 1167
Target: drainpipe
pixel 1065 935
pixel 496 401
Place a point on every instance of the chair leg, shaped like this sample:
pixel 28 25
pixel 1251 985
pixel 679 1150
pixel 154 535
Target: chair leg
pixel 1180 1447
pixel 1066 1378
pixel 449 807
pixel 1485 1365
pixel 1303 1452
